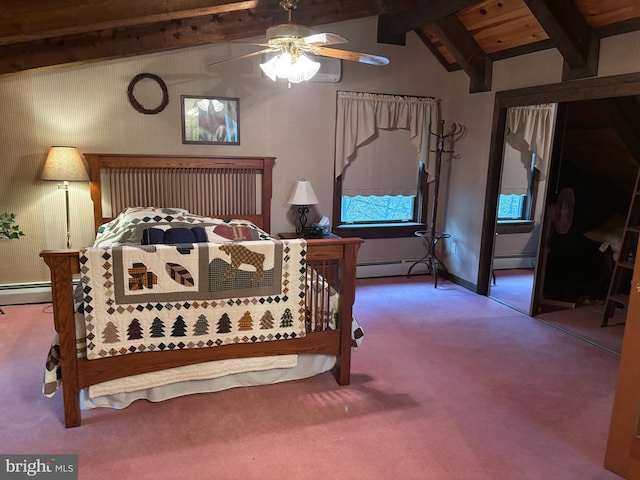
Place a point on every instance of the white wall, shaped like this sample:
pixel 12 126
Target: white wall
pixel 87 106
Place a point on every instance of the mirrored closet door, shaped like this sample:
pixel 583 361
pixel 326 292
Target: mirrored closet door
pixel 521 203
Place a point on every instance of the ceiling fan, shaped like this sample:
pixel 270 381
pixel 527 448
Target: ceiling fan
pixel 294 43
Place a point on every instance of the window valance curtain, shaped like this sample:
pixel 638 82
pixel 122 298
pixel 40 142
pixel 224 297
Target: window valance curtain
pixel 360 115
pixel 534 126
pixel 386 166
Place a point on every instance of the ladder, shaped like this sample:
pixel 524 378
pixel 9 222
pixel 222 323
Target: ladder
pixel 620 286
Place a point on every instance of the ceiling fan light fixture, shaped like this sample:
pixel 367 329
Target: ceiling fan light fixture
pixel 294 43
pixel 293 68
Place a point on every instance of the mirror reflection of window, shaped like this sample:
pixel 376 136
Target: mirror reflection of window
pixel 526 156
pixel 518 187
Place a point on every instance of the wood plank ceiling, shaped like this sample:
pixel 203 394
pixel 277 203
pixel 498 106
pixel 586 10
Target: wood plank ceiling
pixel 461 33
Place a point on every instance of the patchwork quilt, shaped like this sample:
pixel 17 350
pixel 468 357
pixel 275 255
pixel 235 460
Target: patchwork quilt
pixel 241 286
pixel 129 226
pixel 158 297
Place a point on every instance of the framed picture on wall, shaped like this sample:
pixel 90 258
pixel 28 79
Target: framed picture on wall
pixel 210 120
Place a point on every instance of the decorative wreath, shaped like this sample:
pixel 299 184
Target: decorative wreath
pixel 137 105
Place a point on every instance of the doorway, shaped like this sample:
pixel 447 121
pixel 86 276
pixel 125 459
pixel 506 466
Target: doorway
pixel 593 178
pixel 612 96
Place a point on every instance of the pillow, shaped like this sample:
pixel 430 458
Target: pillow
pixel 128 227
pixel 152 236
pixel 172 236
pixel 227 231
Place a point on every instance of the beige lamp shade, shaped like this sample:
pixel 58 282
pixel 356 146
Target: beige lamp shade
pixel 64 164
pixel 303 194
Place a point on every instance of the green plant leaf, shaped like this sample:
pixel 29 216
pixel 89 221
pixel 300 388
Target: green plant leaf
pixel 8 228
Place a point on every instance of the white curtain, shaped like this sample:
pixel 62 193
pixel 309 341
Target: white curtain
pixel 530 130
pixel 386 166
pixel 360 115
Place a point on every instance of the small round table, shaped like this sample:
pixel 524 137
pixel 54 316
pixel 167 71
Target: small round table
pixel 431 259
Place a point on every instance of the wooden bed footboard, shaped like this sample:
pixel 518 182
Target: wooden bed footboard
pixel 333 259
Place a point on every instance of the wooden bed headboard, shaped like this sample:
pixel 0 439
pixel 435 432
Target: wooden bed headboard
pixel 222 187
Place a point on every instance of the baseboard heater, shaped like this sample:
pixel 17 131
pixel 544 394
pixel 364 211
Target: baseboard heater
pixel 392 268
pixel 23 293
pixel 510 262
pixel 40 292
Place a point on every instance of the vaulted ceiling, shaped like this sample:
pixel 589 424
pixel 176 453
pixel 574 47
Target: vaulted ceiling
pixel 462 34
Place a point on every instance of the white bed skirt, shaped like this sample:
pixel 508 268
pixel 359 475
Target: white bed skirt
pixel 307 365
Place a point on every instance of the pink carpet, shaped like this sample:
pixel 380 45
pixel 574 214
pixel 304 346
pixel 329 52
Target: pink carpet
pixel 585 321
pixel 447 385
pixel 514 288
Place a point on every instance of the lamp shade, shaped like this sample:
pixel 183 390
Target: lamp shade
pixel 295 69
pixel 303 194
pixel 64 164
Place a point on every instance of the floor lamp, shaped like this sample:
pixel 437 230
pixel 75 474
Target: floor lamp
pixel 65 164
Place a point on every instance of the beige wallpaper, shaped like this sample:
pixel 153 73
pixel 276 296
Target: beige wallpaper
pixel 87 106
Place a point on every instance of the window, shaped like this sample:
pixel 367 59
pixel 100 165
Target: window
pixel 380 192
pixel 382 147
pixel 377 208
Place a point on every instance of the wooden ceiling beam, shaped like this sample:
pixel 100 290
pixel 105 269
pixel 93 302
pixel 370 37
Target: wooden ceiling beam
pixel 424 12
pixel 578 44
pixel 461 44
pixel 35 20
pixel 449 67
pixel 179 33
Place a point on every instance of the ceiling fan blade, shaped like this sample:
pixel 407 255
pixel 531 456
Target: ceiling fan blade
pixel 240 42
pixel 352 56
pixel 252 54
pixel 324 39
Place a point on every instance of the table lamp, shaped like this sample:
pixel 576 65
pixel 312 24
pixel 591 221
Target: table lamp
pixel 302 196
pixel 65 164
